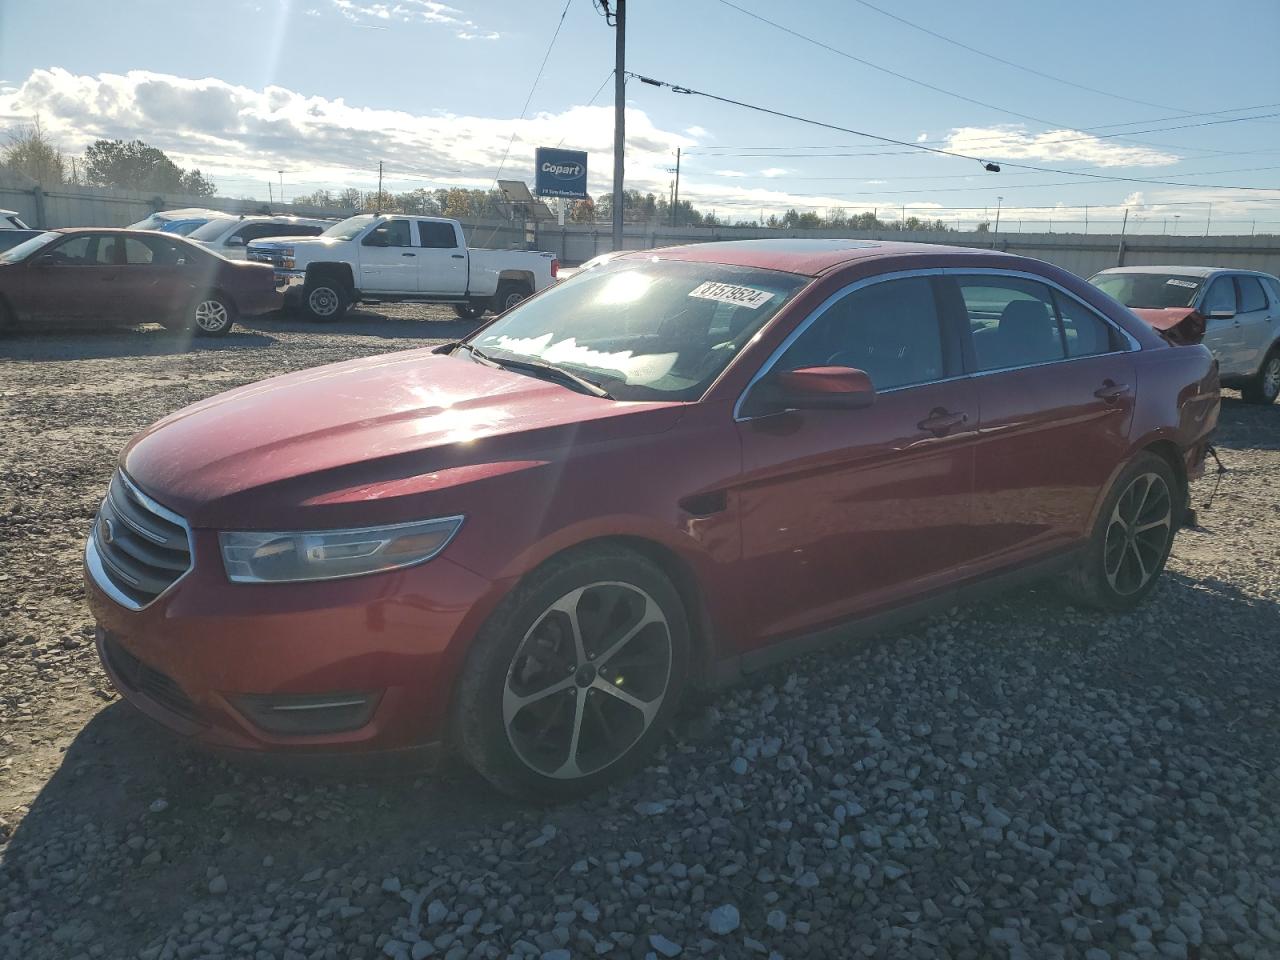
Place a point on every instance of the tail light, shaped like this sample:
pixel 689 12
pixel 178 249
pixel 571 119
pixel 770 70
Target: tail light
pixel 555 268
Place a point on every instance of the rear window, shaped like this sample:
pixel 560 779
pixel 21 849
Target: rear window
pixel 1251 296
pixel 1149 291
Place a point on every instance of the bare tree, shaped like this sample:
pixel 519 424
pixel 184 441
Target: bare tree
pixel 28 150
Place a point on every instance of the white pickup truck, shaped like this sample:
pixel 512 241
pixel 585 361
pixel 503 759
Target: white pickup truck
pixel 394 258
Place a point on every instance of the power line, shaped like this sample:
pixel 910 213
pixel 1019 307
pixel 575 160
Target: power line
pixel 992 167
pixel 909 79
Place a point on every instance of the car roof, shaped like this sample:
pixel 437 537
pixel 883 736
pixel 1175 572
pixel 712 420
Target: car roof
pixel 808 257
pixel 1184 269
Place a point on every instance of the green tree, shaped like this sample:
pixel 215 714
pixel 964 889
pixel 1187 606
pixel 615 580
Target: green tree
pixel 29 151
pixel 136 165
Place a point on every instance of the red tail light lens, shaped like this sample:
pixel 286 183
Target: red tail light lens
pixel 555 269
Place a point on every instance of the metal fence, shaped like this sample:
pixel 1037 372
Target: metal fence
pixel 74 205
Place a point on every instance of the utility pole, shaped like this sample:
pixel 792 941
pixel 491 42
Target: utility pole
pixel 1086 219
pixel 281 173
pixel 271 199
pixel 676 204
pixel 1120 252
pixel 378 206
pixel 999 203
pixel 1208 219
pixel 619 114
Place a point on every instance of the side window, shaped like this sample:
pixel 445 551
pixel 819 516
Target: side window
pixel 393 233
pixel 137 252
pixel 85 250
pixel 1221 296
pixel 1085 333
pixel 1013 322
pixel 1274 284
pixel 891 330
pixel 1251 296
pixel 439 236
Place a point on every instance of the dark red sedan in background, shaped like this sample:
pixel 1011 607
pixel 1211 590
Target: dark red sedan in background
pixel 673 468
pixel 97 277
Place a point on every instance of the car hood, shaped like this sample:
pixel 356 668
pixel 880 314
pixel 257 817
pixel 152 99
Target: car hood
pixel 315 242
pixel 364 441
pixel 1180 325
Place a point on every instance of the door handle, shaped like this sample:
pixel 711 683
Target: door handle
pixel 940 422
pixel 1111 391
pixel 456 256
pixel 408 254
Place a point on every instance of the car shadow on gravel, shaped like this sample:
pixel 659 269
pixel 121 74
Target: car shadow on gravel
pixel 149 340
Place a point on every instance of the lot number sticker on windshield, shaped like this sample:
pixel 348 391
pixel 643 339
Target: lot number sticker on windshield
pixel 1173 282
pixel 728 293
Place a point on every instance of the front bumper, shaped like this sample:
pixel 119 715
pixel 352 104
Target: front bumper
pixel 213 660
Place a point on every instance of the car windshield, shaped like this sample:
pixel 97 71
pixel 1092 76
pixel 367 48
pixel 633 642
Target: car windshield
pixel 213 229
pixel 644 329
pixel 349 228
pixel 1149 291
pixel 27 247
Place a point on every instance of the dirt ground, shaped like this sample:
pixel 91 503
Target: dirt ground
pixel 84 778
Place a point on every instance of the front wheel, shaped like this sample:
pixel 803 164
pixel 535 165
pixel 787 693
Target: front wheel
pixel 1132 537
pixel 325 301
pixel 213 315
pixel 1264 387
pixel 572 682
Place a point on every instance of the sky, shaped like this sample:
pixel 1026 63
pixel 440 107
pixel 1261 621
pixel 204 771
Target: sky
pixel 325 89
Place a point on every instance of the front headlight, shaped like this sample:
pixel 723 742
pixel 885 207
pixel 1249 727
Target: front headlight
pixel 262 557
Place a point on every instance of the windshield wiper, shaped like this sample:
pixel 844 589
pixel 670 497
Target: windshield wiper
pixel 537 367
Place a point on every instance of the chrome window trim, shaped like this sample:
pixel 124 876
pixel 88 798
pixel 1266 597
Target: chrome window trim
pixel 822 308
pixel 94 564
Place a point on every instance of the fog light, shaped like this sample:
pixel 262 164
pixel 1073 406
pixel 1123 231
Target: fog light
pixel 302 714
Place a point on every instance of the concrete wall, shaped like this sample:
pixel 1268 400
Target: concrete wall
pixel 76 206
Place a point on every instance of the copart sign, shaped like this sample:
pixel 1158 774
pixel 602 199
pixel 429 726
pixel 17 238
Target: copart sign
pixel 560 173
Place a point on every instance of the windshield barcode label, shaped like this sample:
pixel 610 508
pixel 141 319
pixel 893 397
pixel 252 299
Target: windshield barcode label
pixel 728 293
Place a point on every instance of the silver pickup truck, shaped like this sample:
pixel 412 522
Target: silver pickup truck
pixel 394 258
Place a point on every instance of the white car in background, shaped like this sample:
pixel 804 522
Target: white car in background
pixel 230 236
pixel 1237 310
pixel 9 220
pixel 181 221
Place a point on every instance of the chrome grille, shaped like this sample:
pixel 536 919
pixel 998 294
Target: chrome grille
pixel 137 549
pixel 272 257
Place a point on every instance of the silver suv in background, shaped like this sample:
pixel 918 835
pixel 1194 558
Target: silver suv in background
pixel 1238 312
pixel 230 236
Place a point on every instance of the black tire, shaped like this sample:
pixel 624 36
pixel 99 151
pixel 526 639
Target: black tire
pixel 468 311
pixel 1120 566
pixel 1265 385
pixel 525 649
pixel 325 300
pixel 213 314
pixel 509 294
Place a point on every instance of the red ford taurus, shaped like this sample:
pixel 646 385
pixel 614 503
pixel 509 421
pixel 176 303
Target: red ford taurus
pixel 672 469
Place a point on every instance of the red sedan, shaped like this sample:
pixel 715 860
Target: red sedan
pixel 674 468
pixel 95 277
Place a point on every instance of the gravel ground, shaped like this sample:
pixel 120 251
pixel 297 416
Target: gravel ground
pixel 1015 779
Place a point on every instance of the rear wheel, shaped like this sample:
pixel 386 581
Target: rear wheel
pixel 1265 386
pixel 509 294
pixel 572 682
pixel 468 311
pixel 325 300
pixel 212 315
pixel 1132 537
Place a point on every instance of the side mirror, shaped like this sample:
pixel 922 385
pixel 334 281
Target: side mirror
pixel 236 241
pixel 376 240
pixel 814 388
pixel 44 260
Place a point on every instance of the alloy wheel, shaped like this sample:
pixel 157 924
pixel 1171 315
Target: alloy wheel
pixel 323 301
pixel 1271 378
pixel 1138 534
pixel 587 680
pixel 512 299
pixel 211 316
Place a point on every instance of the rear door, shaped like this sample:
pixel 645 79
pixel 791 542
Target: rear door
pixel 1256 318
pixel 847 511
pixel 388 259
pixel 70 283
pixel 442 264
pixel 1056 391
pixel 1222 334
pixel 154 287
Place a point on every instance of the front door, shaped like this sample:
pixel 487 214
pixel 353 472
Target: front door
pixel 847 511
pixel 153 286
pixel 71 283
pixel 442 264
pixel 388 259
pixel 1056 389
pixel 1257 320
pixel 1222 334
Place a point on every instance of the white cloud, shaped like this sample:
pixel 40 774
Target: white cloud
pixel 731 173
pixel 238 134
pixel 773 171
pixel 361 12
pixel 1015 143
pixel 922 137
pixel 696 131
